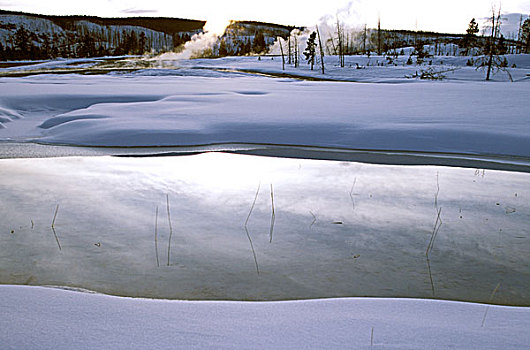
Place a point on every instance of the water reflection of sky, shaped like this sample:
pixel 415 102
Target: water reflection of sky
pixel 340 228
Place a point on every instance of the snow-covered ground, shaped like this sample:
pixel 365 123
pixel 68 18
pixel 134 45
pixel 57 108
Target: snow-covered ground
pixel 340 229
pixel 153 107
pixel 41 318
pixel 374 69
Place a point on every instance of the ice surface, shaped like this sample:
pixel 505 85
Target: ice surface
pixel 340 229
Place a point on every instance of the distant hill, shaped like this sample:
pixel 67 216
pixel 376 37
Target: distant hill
pixel 34 36
pixel 245 37
pixel 165 25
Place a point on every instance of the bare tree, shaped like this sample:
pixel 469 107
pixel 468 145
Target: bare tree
pixel 321 50
pixel 495 26
pixel 289 48
pixel 519 46
pixel 493 59
pixel 281 49
pixel 296 53
pixel 364 37
pixel 340 42
pixel 379 44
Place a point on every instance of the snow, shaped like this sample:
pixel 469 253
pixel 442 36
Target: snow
pixel 61 319
pixel 145 109
pixel 374 69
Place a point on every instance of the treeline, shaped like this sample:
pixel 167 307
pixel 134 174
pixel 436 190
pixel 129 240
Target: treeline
pixel 27 45
pixel 249 37
pixel 167 25
pixel 241 46
pixel 32 36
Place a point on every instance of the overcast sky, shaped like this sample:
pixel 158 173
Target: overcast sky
pixel 440 15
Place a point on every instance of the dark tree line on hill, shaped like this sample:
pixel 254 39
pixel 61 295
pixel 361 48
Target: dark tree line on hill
pixel 26 45
pixel 249 37
pixel 241 46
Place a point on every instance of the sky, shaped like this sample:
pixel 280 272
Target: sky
pixel 450 16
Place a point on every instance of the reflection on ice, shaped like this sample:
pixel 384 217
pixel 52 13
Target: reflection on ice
pixel 340 228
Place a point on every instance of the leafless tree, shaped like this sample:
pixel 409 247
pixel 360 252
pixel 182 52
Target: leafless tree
pixel 340 42
pixel 379 41
pixel 321 51
pixel 364 37
pixel 493 59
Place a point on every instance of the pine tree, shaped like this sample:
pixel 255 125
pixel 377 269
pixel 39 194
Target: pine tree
pixel 310 50
pixel 222 48
pixel 2 52
pixel 141 43
pixel 469 39
pixel 501 46
pixel 258 46
pixel 420 52
pixel 86 46
pixel 472 28
pixel 46 51
pixel 21 43
pixel 525 35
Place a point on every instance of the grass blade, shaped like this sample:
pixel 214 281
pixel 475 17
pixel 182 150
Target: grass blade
pixel 170 230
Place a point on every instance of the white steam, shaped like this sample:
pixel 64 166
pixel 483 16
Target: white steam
pixel 199 45
pixel 349 19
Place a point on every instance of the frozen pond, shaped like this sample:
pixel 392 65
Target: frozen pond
pixel 317 228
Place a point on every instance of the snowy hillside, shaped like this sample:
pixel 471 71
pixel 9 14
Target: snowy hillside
pixel 242 38
pixel 24 36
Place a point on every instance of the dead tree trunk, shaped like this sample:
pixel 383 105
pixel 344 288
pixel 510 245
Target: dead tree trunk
pixel 281 49
pixel 321 51
pixel 289 48
pixel 495 20
pixel 340 43
pixel 295 51
pixel 364 39
pixel 379 50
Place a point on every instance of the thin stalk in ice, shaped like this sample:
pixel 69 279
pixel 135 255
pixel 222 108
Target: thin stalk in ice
pixel 246 229
pixel 170 230
pixel 156 237
pixel 273 216
pixel 53 227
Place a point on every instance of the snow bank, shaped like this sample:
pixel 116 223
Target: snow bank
pixel 476 118
pixel 35 317
pixel 202 102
